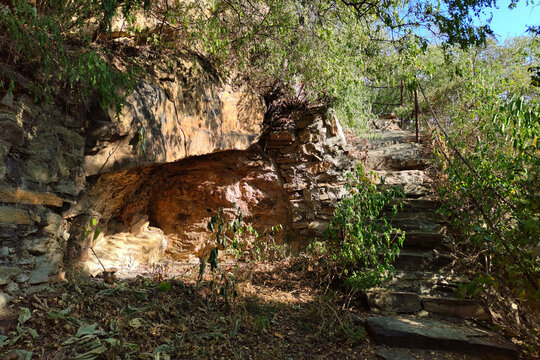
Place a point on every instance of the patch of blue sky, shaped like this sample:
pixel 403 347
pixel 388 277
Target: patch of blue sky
pixel 507 23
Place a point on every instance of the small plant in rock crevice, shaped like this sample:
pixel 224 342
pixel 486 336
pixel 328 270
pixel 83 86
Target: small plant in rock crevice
pixel 361 243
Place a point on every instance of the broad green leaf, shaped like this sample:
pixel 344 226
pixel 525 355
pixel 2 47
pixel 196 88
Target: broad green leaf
pixel 89 330
pixel 23 354
pixel 24 315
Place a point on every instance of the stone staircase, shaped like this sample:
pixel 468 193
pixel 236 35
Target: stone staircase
pixel 418 309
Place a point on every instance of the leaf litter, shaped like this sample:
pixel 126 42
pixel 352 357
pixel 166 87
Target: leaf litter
pixel 279 313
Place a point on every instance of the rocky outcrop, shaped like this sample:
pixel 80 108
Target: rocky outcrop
pixel 184 146
pixel 312 156
pixel 293 177
pixel 41 153
pixel 178 110
pixel 179 198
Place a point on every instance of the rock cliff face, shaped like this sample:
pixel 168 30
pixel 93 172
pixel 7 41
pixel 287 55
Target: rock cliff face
pixel 178 110
pixel 184 146
pixel 41 153
pixel 179 198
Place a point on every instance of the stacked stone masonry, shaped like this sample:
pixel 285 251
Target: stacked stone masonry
pixel 312 157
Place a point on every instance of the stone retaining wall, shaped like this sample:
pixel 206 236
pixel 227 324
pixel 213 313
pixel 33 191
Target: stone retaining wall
pixel 312 156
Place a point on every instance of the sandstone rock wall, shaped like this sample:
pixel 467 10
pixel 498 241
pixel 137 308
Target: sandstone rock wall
pixel 184 146
pixel 41 155
pixel 179 198
pixel 179 109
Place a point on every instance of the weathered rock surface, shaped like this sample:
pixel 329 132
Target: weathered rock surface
pixel 18 195
pixel 41 150
pixel 461 308
pixel 179 198
pixel 145 245
pixel 401 302
pixel 295 183
pixel 178 109
pixel 182 110
pixel 400 156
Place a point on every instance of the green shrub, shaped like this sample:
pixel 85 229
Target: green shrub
pixel 67 65
pixel 361 243
pixel 493 197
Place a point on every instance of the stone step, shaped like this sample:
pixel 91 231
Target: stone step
pixel 389 301
pixel 428 240
pixel 390 177
pixel 416 204
pixel 412 191
pixel 451 306
pixel 417 259
pixel 396 302
pixel 423 215
pixel 400 156
pixel 384 139
pixel 418 223
pixel 414 332
pixel 425 283
pixel 424 240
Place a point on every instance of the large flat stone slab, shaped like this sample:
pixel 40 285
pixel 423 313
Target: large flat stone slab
pixel 426 283
pixel 400 177
pixel 423 239
pixel 14 216
pixel 412 191
pixel 400 156
pixel 416 259
pixel 417 204
pixel 412 216
pixel 418 223
pixel 411 332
